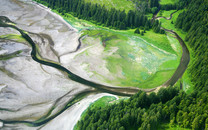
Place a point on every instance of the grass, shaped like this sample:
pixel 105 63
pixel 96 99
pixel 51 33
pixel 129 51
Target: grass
pixel 165 2
pixel 168 25
pixel 118 4
pixel 102 102
pixel 149 15
pixel 159 40
pixel 157 79
pixel 164 13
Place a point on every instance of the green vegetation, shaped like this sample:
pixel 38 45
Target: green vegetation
pixel 157 79
pixel 173 4
pixel 100 103
pixel 171 26
pixel 118 4
pixel 165 2
pixel 163 13
pixel 152 111
pixel 113 18
pixel 15 37
pixel 166 126
pixel 159 40
pixel 197 39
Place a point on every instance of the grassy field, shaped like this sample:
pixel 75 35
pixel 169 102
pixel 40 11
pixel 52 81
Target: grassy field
pixel 168 25
pixel 165 2
pixel 164 13
pixel 149 15
pixel 102 102
pixel 118 4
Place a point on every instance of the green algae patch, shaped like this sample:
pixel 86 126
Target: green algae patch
pixel 15 37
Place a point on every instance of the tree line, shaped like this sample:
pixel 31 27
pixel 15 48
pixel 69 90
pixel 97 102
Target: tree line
pixel 176 6
pixel 194 21
pixel 100 14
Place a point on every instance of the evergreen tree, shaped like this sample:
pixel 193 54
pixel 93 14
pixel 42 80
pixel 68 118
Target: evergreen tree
pixel 137 31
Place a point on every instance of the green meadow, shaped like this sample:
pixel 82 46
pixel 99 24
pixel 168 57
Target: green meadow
pixel 165 2
pixel 164 13
pixel 118 4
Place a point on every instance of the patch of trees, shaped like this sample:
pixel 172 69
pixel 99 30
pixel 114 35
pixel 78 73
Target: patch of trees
pixel 150 6
pixel 111 18
pixel 157 27
pixel 177 6
pixel 147 112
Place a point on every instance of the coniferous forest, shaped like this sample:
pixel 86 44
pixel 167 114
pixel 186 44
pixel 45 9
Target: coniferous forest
pixel 171 105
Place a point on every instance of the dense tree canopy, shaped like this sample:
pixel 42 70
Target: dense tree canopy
pixel 195 22
pixel 110 18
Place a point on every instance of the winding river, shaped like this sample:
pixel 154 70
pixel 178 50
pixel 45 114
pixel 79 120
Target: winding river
pixel 121 91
